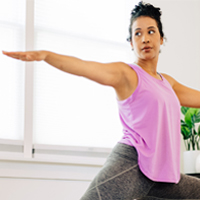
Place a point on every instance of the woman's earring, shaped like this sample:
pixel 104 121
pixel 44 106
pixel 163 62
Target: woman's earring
pixel 132 49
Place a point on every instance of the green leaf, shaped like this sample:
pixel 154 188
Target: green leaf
pixel 198 148
pixel 193 118
pixel 199 131
pixel 197 116
pixel 184 110
pixel 183 122
pixel 190 116
pixel 194 131
pixel 186 132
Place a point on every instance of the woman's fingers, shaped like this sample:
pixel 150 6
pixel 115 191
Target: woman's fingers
pixel 11 53
pixel 27 55
pixel 17 55
pixel 24 56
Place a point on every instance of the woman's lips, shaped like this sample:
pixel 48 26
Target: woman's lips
pixel 146 49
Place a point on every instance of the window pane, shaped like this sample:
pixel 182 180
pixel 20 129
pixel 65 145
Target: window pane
pixel 93 19
pixel 70 110
pixel 12 24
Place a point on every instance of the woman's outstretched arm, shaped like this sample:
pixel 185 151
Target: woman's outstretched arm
pixel 110 74
pixel 188 97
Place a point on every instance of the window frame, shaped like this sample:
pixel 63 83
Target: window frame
pixel 25 150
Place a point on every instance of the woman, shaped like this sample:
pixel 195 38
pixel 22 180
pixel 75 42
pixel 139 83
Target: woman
pixel 146 161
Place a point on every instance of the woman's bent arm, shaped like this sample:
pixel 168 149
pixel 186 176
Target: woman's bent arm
pixel 107 74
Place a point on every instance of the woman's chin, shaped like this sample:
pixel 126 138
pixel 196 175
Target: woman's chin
pixel 148 57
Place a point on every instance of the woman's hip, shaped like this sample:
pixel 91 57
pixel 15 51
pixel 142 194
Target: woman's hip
pixel 120 177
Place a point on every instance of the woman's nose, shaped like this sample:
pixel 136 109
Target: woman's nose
pixel 145 39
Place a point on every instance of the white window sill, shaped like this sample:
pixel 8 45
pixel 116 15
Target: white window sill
pixel 86 156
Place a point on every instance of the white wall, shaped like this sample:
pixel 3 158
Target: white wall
pixel 180 58
pixel 41 189
pixel 28 180
pixel 180 55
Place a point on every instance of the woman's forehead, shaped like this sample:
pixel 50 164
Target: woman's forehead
pixel 144 22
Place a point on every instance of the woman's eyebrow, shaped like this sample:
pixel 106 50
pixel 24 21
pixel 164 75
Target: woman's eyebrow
pixel 150 27
pixel 137 29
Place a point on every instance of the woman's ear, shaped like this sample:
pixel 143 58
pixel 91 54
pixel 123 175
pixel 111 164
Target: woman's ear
pixel 132 45
pixel 161 41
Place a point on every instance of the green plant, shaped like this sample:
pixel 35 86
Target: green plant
pixel 190 132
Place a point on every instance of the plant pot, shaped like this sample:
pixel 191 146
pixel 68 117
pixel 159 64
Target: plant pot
pixel 189 158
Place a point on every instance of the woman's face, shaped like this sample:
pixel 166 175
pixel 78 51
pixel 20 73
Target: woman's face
pixel 146 39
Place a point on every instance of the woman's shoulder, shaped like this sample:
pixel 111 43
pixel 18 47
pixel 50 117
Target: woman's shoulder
pixel 129 73
pixel 129 83
pixel 170 79
pixel 127 68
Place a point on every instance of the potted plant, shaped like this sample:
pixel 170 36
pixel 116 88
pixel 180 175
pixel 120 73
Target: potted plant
pixel 190 131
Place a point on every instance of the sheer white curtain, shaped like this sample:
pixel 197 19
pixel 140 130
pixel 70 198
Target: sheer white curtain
pixel 70 110
pixel 12 26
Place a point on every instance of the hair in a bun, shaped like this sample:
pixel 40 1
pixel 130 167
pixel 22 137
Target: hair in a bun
pixel 145 9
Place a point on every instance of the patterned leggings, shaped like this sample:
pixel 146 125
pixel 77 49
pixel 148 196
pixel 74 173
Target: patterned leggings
pixel 121 179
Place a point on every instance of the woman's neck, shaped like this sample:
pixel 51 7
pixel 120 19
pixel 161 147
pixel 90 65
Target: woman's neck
pixel 148 66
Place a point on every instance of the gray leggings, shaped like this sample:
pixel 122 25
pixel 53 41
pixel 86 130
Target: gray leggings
pixel 121 179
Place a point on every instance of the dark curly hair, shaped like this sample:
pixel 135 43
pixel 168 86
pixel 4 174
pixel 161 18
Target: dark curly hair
pixel 145 9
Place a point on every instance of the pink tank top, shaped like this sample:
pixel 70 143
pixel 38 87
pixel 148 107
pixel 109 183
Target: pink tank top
pixel 151 123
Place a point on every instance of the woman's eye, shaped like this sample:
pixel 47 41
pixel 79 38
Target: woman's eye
pixel 151 32
pixel 138 34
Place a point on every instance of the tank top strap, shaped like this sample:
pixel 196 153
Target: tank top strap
pixel 143 73
pixel 135 67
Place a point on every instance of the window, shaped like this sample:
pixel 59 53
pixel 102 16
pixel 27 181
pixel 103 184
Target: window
pixel 70 110
pixel 67 110
pixel 12 28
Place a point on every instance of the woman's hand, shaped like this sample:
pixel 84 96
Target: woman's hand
pixel 28 55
